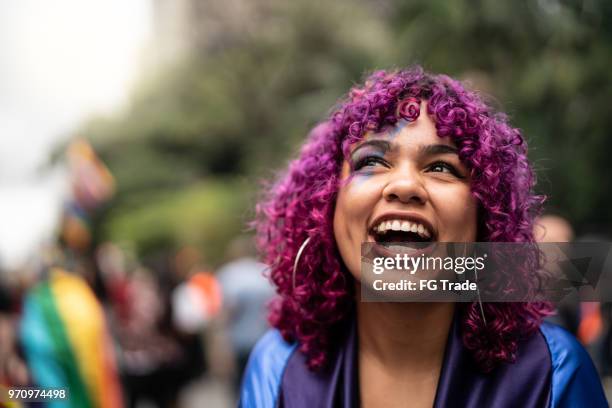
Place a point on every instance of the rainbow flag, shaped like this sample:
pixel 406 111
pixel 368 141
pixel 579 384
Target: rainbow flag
pixel 67 344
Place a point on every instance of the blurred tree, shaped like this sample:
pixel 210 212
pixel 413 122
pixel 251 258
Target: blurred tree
pixel 548 62
pixel 235 107
pixel 199 133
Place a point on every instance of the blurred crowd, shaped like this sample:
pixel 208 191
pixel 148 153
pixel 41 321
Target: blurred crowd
pixel 118 330
pixel 590 322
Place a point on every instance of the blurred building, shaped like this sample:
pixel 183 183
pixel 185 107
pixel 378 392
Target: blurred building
pixel 184 27
pixel 171 24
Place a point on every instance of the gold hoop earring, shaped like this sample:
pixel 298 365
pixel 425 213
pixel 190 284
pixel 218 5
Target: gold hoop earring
pixel 297 260
pixel 480 306
pixel 479 299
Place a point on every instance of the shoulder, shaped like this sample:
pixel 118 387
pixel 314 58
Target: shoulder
pixel 575 381
pixel 263 375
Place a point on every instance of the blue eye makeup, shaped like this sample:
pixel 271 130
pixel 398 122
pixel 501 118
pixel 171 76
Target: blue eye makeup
pixel 365 159
pixel 369 154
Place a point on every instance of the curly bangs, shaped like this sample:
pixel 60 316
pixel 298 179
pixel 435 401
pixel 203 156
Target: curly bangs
pixel 301 204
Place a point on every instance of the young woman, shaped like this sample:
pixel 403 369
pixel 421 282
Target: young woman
pixel 417 152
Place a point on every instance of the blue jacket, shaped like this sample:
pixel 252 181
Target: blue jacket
pixel 551 370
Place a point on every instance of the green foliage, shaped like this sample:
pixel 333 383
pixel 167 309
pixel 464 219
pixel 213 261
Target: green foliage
pixel 205 215
pixel 240 105
pixel 548 64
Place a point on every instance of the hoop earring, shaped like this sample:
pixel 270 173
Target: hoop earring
pixel 479 299
pixel 297 260
pixel 484 319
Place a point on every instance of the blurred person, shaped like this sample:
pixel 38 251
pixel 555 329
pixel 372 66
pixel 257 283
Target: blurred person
pixel 196 304
pixel 583 319
pixel 591 326
pixel 13 371
pixel 595 329
pixel 152 309
pixel 246 293
pixel 111 263
pixel 148 354
pixel 415 148
pixel 194 300
pixel 552 228
pixel 606 343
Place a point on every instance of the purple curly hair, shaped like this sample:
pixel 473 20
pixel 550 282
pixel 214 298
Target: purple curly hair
pixel 301 205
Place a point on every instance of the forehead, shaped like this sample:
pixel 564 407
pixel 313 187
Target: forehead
pixel 406 135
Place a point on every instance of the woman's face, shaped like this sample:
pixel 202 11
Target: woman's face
pixel 407 179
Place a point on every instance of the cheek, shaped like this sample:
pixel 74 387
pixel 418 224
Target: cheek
pixel 340 218
pixel 471 217
pixel 345 216
pixel 342 233
pixel 458 213
pixel 354 205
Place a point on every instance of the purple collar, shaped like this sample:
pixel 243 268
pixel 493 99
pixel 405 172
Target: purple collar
pixel 525 383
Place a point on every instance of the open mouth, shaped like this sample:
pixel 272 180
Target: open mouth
pixel 401 236
pixel 401 232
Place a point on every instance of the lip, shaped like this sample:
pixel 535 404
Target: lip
pixel 412 251
pixel 404 216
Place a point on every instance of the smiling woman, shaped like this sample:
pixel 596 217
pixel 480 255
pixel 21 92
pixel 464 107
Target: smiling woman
pixel 408 156
pixel 406 174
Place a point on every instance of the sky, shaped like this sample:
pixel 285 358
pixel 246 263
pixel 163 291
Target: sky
pixel 60 61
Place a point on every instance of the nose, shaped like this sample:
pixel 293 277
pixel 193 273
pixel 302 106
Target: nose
pixel 406 187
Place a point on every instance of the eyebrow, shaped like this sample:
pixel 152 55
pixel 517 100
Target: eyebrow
pixel 434 149
pixel 383 145
pixel 426 150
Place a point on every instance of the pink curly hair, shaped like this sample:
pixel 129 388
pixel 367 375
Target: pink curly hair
pixel 301 205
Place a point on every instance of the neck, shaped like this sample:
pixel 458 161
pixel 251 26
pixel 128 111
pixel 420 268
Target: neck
pixel 400 335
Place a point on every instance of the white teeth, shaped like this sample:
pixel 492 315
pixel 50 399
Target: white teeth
pixel 402 225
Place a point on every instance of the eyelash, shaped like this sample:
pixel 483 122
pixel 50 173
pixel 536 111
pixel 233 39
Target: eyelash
pixel 369 160
pixel 447 166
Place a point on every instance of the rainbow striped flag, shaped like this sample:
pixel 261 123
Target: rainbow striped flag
pixel 67 344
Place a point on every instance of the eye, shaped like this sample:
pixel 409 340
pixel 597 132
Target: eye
pixel 443 167
pixel 369 161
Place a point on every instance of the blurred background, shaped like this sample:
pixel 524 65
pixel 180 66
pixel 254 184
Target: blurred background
pixel 134 136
